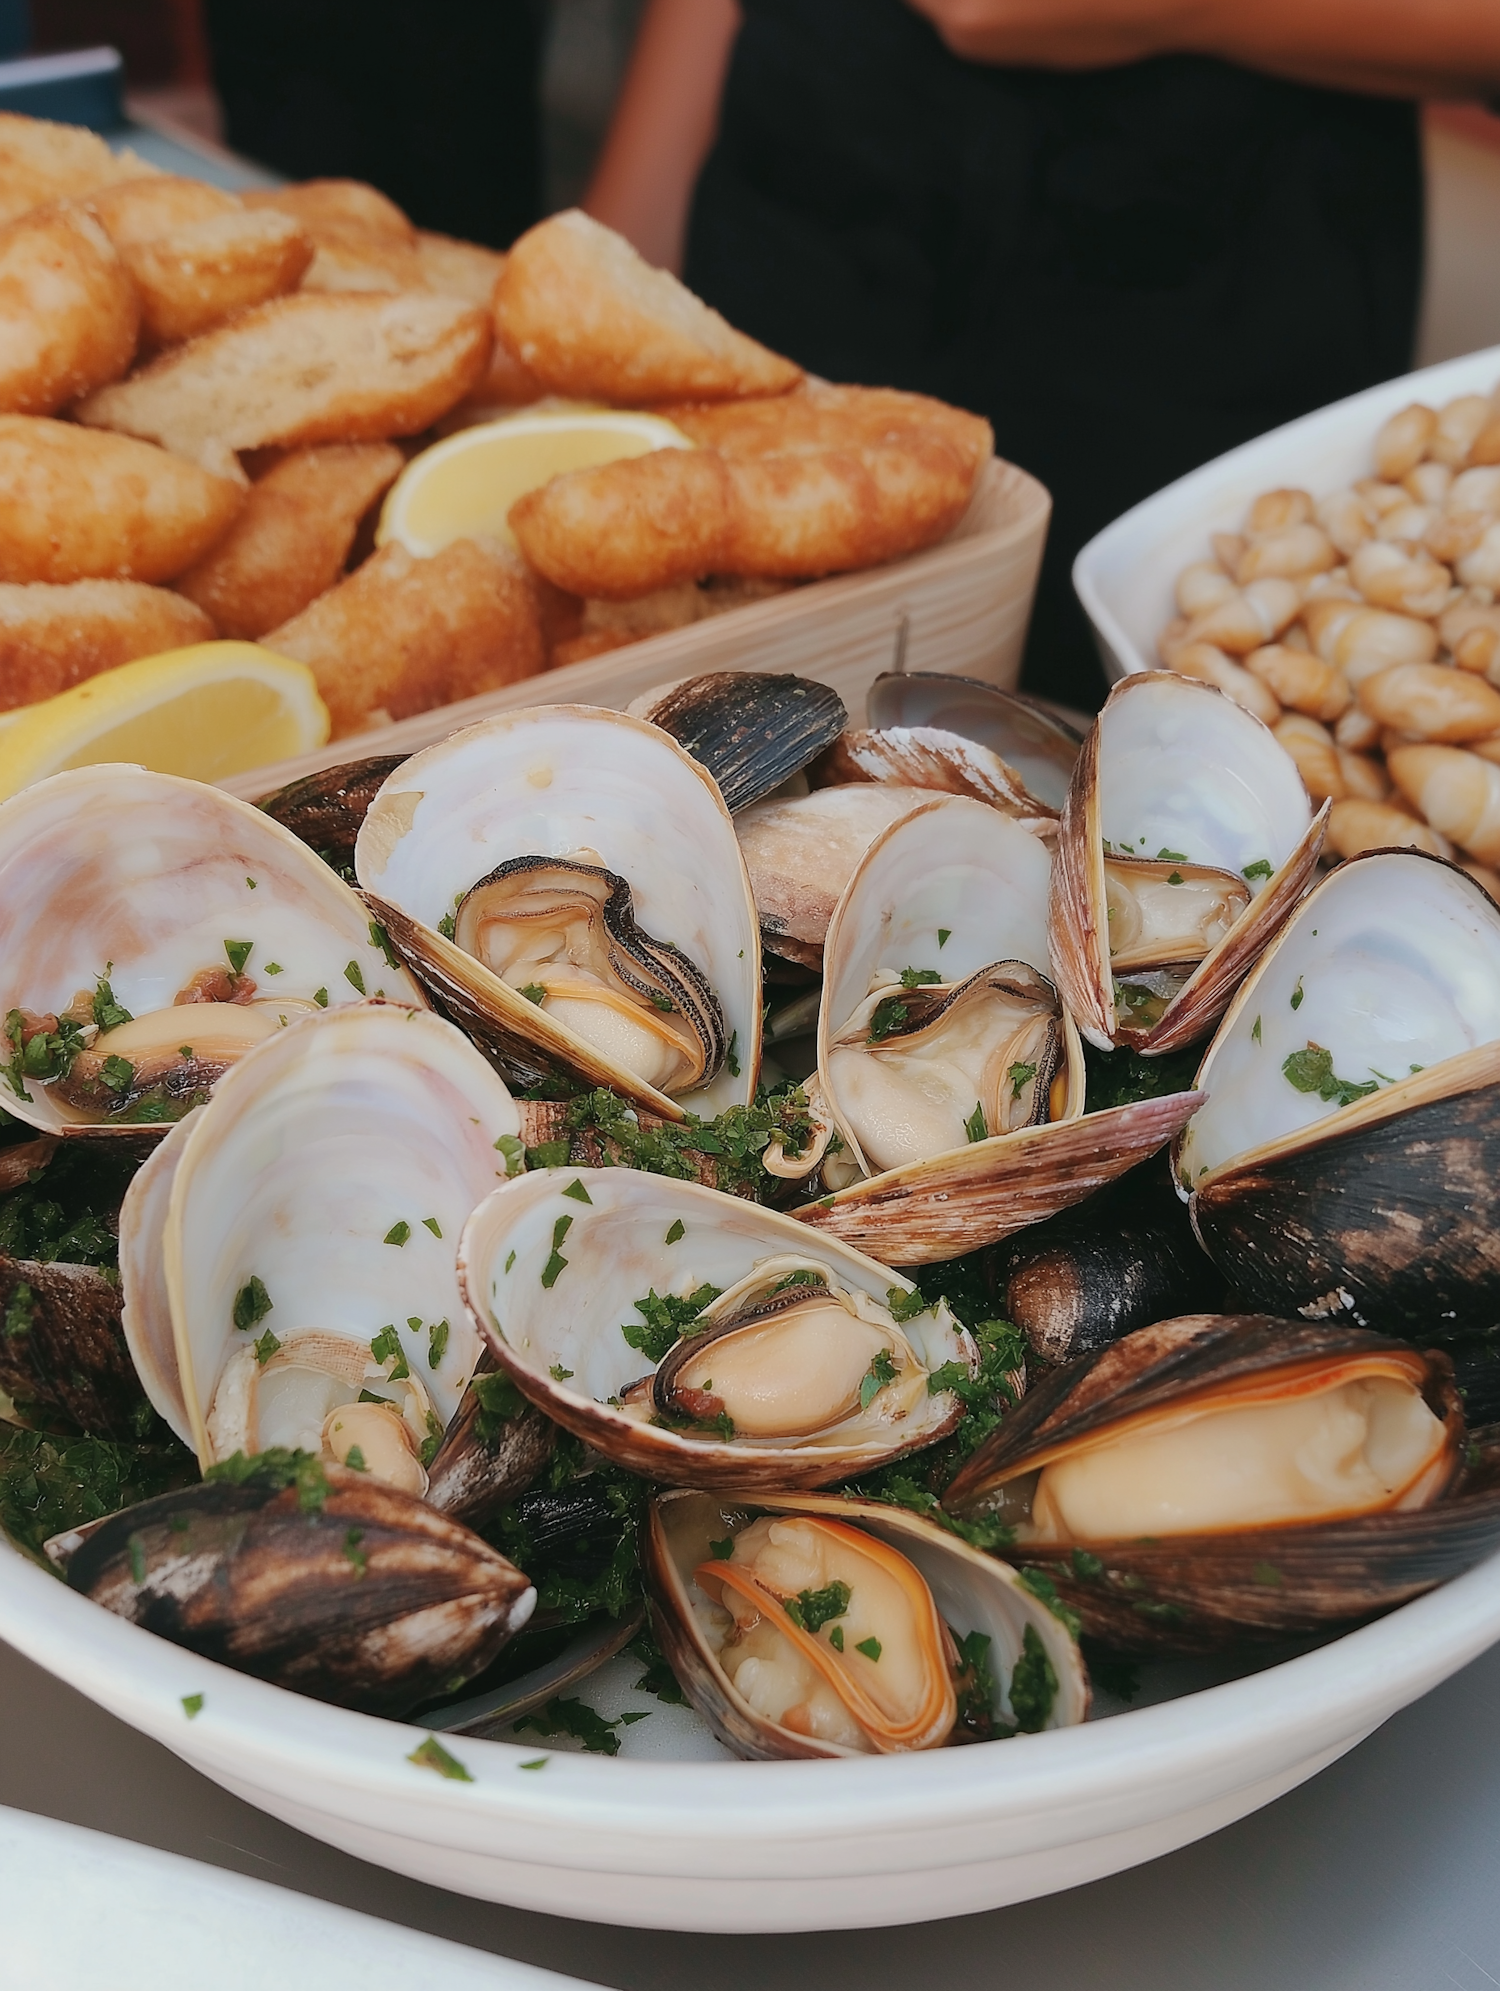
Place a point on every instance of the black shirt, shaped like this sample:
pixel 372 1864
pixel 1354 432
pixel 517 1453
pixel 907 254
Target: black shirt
pixel 1127 270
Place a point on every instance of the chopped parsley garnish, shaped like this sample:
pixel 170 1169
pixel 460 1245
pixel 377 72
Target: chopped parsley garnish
pixel 1033 1685
pixel 137 1550
pixel 536 1762
pixel 533 992
pixel 576 1190
pixel 266 1347
pixel 1311 1070
pixel 118 1074
pixel 239 952
pixel 732 1055
pixel 678 1230
pixel 276 1469
pixel 1165 856
pixel 192 1705
pixel 432 1224
pixel 1297 994
pixel 320 997
pixel 578 1719
pixel 437 1343
pixel 447 926
pixel 380 939
pixel 386 1347
pixel 870 1647
pixel 354 1555
pixel 39 1053
pixel 431 1755
pixel 398 1233
pixel 810 1610
pixel 251 1304
pixel 354 977
pixel 881 1372
pixel 513 1151
pixel 662 1002
pixel 722 1551
pixel 1041 1586
pixel 1255 1036
pixel 888 1015
pixel 1261 868
pixel 354 1459
pixel 945 934
pixel 273 968
pixel 251 883
pixel 916 978
pixel 1174 877
pixel 805 1275
pixel 1087 1566
pixel 510 1260
pixel 836 1638
pixel 974 1126
pixel 558 1373
pixel 975 1686
pixel 905 1306
pixel 1020 1077
pixel 108 1014
pixel 664 1320
pixel 549 1154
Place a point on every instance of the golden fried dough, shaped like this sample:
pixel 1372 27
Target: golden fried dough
pixel 401 635
pixel 145 209
pixel 580 308
pixel 834 511
pixel 41 161
pixel 337 210
pixel 290 542
pixel 631 527
pixel 54 637
pixel 210 270
pixel 304 369
pixel 819 416
pixel 76 504
pixel 69 313
pixel 459 269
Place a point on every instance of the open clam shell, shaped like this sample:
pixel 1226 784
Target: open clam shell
pixel 761 1355
pixel 1038 748
pixel 312 1209
pixel 1222 1477
pixel 957 891
pixel 207 922
pixel 324 810
pixel 977 1605
pixel 1347 1161
pixel 1186 839
pixel 593 861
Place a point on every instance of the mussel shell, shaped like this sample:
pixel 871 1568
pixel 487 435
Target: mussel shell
pixel 326 809
pixel 367 1598
pixel 1027 735
pixel 751 730
pixel 973 1592
pixel 1199 1593
pixel 479 1469
pixel 1082 1279
pixel 63 1359
pixel 1394 1225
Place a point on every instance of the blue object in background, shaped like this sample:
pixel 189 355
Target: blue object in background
pixel 15 28
pixel 84 86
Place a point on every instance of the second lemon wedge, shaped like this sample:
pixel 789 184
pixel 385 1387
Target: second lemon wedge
pixel 464 486
pixel 209 711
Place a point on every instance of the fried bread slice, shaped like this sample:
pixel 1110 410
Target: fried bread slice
pixel 52 638
pixel 69 313
pixel 41 161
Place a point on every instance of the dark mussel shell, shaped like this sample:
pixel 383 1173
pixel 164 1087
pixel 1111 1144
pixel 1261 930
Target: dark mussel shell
pixel 326 809
pixel 337 1588
pixel 751 730
pixel 1201 1593
pixel 486 1459
pixel 1081 1280
pixel 1394 1225
pixel 63 1359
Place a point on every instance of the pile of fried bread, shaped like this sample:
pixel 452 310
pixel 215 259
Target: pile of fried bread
pixel 205 397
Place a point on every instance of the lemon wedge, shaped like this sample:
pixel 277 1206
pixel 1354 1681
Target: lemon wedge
pixel 464 486
pixel 209 711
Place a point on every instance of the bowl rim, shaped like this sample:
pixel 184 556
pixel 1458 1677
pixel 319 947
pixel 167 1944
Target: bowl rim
pixel 621 1814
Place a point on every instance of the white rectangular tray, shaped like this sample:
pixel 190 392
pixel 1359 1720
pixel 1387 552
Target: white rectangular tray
pixel 1125 575
pixel 963 606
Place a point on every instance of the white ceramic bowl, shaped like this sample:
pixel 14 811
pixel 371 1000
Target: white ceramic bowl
pixel 725 1846
pixel 1125 575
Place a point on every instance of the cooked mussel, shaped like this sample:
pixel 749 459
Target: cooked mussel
pixel 1186 839
pixel 310 1576
pixel 752 730
pixel 567 884
pixel 1347 1159
pixel 819 1626
pixel 1223 1477
pixel 324 810
pixel 64 1365
pixel 757 1354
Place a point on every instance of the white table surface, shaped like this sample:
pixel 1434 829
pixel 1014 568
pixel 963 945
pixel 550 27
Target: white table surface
pixel 1383 1874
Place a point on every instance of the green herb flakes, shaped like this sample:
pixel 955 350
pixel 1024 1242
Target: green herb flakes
pixel 559 1374
pixel 398 1233
pixel 354 1555
pixel 1255 1036
pixel 320 997
pixel 664 1320
pixel 836 1638
pixel 1297 997
pixel 1261 868
pixel 118 1074
pixel 386 1347
pixel 888 1015
pixel 266 1347
pixel 354 976
pixel 431 1755
pixel 437 1343
pixel 974 1126
pixel 1033 1684
pixel 575 1718
pixel 108 1014
pixel 722 1551
pixel 810 1610
pixel 432 1224
pixel 576 1190
pixel 917 978
pixel 239 952
pixel 273 968
pixel 354 1459
pixel 192 1706
pixel 1020 1076
pixel 277 1469
pixel 677 1232
pixel 945 934
pixel 511 1149
pixel 871 1648
pixel 1311 1070
pixel 1041 1586
pixel 251 1304
pixel 881 1372
pixel 137 1549
pixel 905 1306
pixel 1165 856
pixel 533 992
pixel 510 1259
pixel 732 1055
pixel 537 1762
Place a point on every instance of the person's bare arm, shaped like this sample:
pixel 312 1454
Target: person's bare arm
pixel 1422 48
pixel 664 125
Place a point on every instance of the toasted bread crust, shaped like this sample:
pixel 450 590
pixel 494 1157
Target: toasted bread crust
pixel 41 161
pixel 76 504
pixel 69 313
pixel 304 369
pixel 207 271
pixel 52 638
pixel 588 317
pixel 289 544
pixel 402 634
